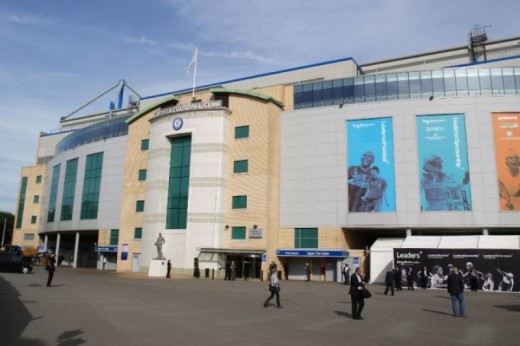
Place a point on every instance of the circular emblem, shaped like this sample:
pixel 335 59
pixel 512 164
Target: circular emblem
pixel 177 124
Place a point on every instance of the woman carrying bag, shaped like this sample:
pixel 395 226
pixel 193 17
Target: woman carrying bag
pixel 274 288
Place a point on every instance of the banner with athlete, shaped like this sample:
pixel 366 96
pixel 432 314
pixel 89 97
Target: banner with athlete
pixel 443 163
pixel 506 128
pixel 370 160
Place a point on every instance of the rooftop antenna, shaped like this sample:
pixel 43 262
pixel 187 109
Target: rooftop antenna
pixel 477 43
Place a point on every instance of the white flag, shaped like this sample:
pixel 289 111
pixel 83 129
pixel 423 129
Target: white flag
pixel 193 61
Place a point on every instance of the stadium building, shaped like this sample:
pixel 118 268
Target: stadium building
pixel 331 163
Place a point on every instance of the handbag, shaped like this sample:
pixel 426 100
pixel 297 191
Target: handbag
pixel 365 293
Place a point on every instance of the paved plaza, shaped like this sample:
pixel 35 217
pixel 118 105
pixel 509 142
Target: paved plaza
pixel 89 307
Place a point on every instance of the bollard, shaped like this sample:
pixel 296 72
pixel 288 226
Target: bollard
pixel 212 274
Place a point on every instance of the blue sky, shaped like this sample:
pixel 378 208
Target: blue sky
pixel 57 55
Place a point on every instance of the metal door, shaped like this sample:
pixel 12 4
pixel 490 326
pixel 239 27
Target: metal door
pixel 135 262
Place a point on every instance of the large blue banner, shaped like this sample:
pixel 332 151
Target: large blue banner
pixel 370 160
pixel 443 163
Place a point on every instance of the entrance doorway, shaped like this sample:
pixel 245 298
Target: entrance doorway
pixel 136 259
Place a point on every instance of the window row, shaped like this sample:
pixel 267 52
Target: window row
pixel 406 85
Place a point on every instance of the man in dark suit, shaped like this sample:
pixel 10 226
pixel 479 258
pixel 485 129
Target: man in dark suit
pixel 356 285
pixel 409 278
pixel 389 281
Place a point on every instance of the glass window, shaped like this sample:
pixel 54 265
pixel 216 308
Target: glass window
pixel 509 80
pixel 145 144
pixel 138 233
pixel 241 132
pixel 337 91
pixel 426 84
pixel 415 84
pixel 348 90
pixel 69 189
pixel 179 182
pixel 380 87
pixel 449 82
pixel 317 94
pixel 438 83
pixel 391 86
pixel 91 186
pixel 485 81
pixel 359 89
pixel 114 236
pixel 327 93
pixel 142 175
pixel 403 85
pixel 139 206
pixel 473 83
pixel 238 233
pixel 28 236
pixel 36 199
pixel 496 81
pixel 306 238
pixel 307 95
pixel 38 179
pixel 33 219
pixel 240 166
pixel 51 212
pixel 298 96
pixel 239 202
pixel 21 202
pixel 517 79
pixel 462 82
pixel 370 88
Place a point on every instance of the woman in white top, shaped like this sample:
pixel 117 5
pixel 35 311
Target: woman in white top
pixel 274 288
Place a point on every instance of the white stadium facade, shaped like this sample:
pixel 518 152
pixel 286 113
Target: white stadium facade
pixel 331 163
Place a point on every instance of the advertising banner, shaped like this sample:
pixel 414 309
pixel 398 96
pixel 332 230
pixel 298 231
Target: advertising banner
pixel 370 161
pixel 443 163
pixel 481 269
pixel 506 128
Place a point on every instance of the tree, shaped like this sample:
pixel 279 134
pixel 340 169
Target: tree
pixel 9 226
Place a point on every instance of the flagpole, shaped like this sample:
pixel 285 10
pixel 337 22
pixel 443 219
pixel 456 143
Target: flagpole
pixel 195 72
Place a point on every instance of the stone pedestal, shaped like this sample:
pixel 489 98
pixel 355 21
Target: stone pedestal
pixel 157 268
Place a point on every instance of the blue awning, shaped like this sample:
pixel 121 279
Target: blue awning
pixel 311 253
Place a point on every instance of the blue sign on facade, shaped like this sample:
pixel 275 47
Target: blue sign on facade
pixel 108 248
pixel 311 253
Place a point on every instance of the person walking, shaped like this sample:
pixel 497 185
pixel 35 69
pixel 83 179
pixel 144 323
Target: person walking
pixel 233 269
pixel 227 273
pixel 389 281
pixel 346 274
pixel 308 272
pixel 356 296
pixel 409 278
pixel 424 278
pixel 456 291
pixel 50 266
pixel 274 288
pixel 397 279
pixel 168 269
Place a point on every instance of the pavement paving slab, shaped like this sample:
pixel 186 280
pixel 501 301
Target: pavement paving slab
pixel 91 307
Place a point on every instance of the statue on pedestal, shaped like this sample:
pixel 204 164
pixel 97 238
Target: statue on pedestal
pixel 158 244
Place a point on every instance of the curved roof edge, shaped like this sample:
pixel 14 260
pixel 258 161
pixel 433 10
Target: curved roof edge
pixel 149 108
pixel 485 62
pixel 263 97
pixel 205 86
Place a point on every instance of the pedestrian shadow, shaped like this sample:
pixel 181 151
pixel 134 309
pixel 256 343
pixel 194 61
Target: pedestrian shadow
pixel 438 312
pixel 514 308
pixel 71 338
pixel 60 285
pixel 343 313
pixel 35 285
